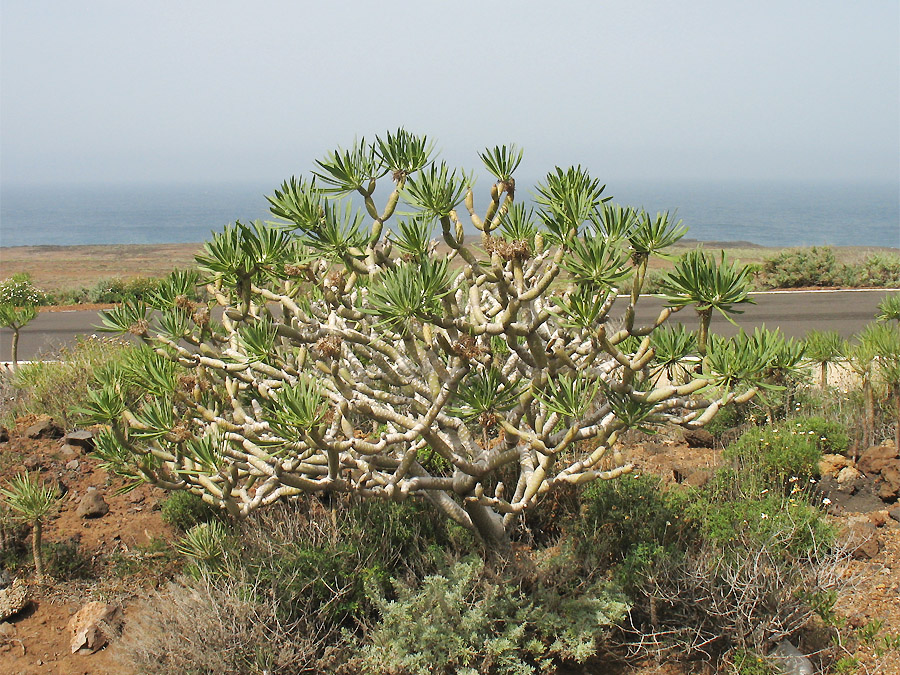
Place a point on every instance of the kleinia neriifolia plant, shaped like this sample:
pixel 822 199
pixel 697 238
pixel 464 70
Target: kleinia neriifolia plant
pixel 380 351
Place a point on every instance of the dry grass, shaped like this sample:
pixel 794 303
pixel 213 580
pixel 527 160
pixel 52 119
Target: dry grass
pixel 58 268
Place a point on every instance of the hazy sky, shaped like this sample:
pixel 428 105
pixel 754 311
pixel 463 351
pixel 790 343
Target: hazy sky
pixel 206 90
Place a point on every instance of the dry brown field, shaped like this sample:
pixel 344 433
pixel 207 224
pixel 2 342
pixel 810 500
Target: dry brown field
pixel 57 268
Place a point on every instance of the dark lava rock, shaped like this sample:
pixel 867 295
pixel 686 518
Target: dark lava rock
pixel 860 498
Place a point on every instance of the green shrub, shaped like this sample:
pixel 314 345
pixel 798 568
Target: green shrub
pixel 880 270
pixel 58 386
pixel 830 436
pixel 746 662
pixel 617 516
pixel 818 266
pixel 121 290
pixel 757 572
pixel 406 534
pixel 292 578
pixel 235 631
pixel 690 560
pixel 19 291
pixel 324 580
pixel 466 623
pixel 184 510
pixel 315 561
pixel 783 525
pixel 776 454
pixel 796 268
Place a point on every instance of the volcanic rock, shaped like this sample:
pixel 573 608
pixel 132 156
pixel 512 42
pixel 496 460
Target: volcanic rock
pixel 861 539
pixel 877 458
pixel 83 439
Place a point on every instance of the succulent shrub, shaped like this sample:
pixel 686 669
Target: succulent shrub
pixel 31 501
pixel 16 318
pixel 889 308
pixel 823 347
pixel 356 354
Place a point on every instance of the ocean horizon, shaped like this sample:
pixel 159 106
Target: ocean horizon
pixel 762 213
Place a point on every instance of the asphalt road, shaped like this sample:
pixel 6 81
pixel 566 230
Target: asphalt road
pixel 795 312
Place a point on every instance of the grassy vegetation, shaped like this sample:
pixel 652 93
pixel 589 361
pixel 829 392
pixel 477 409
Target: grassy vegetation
pixel 58 386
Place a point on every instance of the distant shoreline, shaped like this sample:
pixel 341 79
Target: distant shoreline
pixel 60 268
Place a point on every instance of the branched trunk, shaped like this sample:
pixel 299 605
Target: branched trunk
pixel 489 526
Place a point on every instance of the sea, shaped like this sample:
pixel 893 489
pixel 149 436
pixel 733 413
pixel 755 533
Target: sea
pixel 762 213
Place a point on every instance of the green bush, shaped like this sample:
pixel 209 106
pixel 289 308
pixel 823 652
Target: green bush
pixel 463 622
pixel 18 291
pixel 407 535
pixel 294 578
pixel 830 436
pixel 880 270
pixel 122 290
pixel 776 454
pixel 315 560
pixel 618 516
pixel 325 580
pixel 746 662
pixel 756 570
pixel 796 268
pixel 818 266
pixel 58 386
pixel 782 525
pixel 183 509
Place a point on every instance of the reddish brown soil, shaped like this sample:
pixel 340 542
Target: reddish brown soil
pixel 40 640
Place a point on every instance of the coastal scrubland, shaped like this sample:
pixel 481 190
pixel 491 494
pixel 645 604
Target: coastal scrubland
pixel 107 274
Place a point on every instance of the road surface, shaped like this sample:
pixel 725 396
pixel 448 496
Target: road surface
pixel 795 312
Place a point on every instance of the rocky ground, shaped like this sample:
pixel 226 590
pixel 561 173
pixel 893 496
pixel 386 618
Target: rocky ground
pixel 122 540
